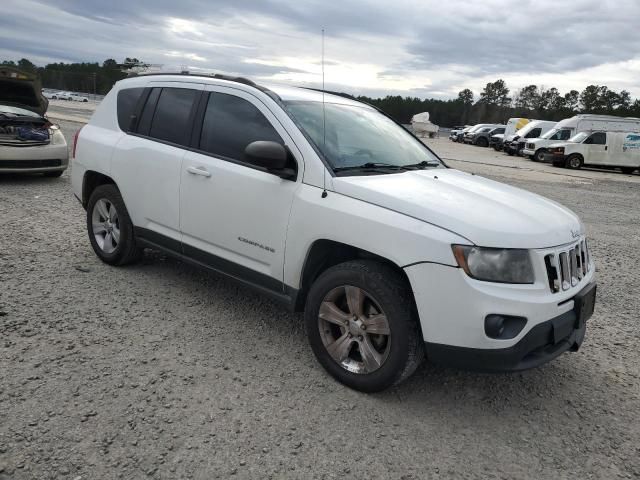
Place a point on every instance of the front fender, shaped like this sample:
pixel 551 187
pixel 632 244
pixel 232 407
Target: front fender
pixel 399 238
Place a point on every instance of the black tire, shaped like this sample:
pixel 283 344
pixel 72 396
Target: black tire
pixel 53 174
pixel 126 251
pixel 574 162
pixel 509 152
pixel 627 170
pixel 539 155
pixel 482 142
pixel 393 296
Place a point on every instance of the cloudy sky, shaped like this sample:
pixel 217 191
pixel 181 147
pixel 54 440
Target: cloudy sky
pixel 426 48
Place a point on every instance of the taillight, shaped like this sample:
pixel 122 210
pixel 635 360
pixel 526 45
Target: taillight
pixel 75 143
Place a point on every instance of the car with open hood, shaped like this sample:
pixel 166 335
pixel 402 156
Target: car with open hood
pixel 330 207
pixel 29 142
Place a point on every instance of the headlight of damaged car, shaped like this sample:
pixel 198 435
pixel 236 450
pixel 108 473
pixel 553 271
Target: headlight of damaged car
pixel 504 265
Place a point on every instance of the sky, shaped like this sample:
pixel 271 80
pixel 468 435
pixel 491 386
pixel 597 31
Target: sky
pixel 423 48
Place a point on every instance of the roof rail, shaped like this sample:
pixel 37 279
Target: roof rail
pixel 219 76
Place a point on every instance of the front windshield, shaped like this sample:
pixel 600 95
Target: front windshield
pixel 579 137
pixel 354 136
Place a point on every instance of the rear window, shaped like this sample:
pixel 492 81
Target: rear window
pixel 127 101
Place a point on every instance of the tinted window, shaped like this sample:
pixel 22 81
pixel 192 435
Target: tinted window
pixel 230 124
pixel 497 131
pixel 171 118
pixel 598 138
pixel 127 101
pixel 535 133
pixel 147 112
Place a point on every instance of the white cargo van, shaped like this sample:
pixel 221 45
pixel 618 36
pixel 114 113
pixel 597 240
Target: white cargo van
pixel 606 149
pixel 567 128
pixel 531 130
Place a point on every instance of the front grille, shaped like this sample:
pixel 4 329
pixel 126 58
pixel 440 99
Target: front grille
pixel 30 163
pixel 567 267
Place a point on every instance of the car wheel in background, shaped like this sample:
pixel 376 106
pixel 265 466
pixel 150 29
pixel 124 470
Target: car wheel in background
pixel 627 170
pixel 363 325
pixel 109 226
pixel 53 174
pixel 482 142
pixel 539 155
pixel 574 162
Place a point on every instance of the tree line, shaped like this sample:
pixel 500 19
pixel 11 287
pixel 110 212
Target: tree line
pixel 495 104
pixel 77 77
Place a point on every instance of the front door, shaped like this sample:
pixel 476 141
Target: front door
pixel 597 153
pixel 234 215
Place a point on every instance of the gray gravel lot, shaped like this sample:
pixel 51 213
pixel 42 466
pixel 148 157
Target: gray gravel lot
pixel 160 370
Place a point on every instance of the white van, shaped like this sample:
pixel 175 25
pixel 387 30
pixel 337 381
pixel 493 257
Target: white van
pixel 567 128
pixel 607 149
pixel 533 129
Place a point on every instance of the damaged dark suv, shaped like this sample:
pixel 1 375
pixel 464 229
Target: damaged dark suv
pixel 29 142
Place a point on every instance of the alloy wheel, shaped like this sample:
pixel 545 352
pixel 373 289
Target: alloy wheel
pixel 105 225
pixel 354 329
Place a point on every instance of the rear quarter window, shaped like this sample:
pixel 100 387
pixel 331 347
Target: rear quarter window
pixel 127 101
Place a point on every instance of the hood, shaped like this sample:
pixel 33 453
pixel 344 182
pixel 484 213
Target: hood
pixel 485 212
pixel 20 89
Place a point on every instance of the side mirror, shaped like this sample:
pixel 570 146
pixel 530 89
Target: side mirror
pixel 272 156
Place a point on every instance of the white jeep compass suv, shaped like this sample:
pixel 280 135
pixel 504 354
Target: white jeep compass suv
pixel 327 205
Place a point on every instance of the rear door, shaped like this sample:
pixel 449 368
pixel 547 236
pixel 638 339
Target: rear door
pixel 233 214
pixel 148 161
pixel 597 150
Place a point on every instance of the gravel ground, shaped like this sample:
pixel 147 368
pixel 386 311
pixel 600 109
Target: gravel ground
pixel 160 370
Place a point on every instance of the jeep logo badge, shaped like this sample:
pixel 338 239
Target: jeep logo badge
pixel 575 233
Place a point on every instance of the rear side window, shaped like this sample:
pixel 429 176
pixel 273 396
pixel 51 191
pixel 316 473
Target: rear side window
pixel 127 101
pixel 230 124
pixel 171 118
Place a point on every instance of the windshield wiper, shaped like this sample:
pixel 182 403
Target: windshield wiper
pixel 423 164
pixel 371 166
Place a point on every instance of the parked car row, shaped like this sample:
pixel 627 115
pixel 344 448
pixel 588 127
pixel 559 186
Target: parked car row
pixel 61 95
pixel 599 140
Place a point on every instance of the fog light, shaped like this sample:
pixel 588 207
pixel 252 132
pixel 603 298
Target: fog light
pixel 494 326
pixel 503 327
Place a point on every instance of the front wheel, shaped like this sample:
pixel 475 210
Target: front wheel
pixel 574 162
pixel 363 325
pixel 110 228
pixel 539 155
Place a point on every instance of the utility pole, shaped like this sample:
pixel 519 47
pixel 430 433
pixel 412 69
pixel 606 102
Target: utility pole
pixel 94 74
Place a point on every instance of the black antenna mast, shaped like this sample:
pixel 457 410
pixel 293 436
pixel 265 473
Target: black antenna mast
pixel 324 127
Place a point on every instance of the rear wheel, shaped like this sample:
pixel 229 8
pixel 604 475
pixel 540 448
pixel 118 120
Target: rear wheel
pixel 363 326
pixel 110 228
pixel 574 162
pixel 482 142
pixel 539 155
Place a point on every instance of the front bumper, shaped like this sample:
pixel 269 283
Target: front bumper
pixel 526 151
pixel 543 343
pixel 452 308
pixel 45 158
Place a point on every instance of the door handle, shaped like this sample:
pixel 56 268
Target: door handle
pixel 605 147
pixel 198 171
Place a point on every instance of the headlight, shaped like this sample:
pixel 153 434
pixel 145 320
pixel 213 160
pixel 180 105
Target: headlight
pixel 502 265
pixel 57 138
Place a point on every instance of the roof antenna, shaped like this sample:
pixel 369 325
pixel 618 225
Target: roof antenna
pixel 324 127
